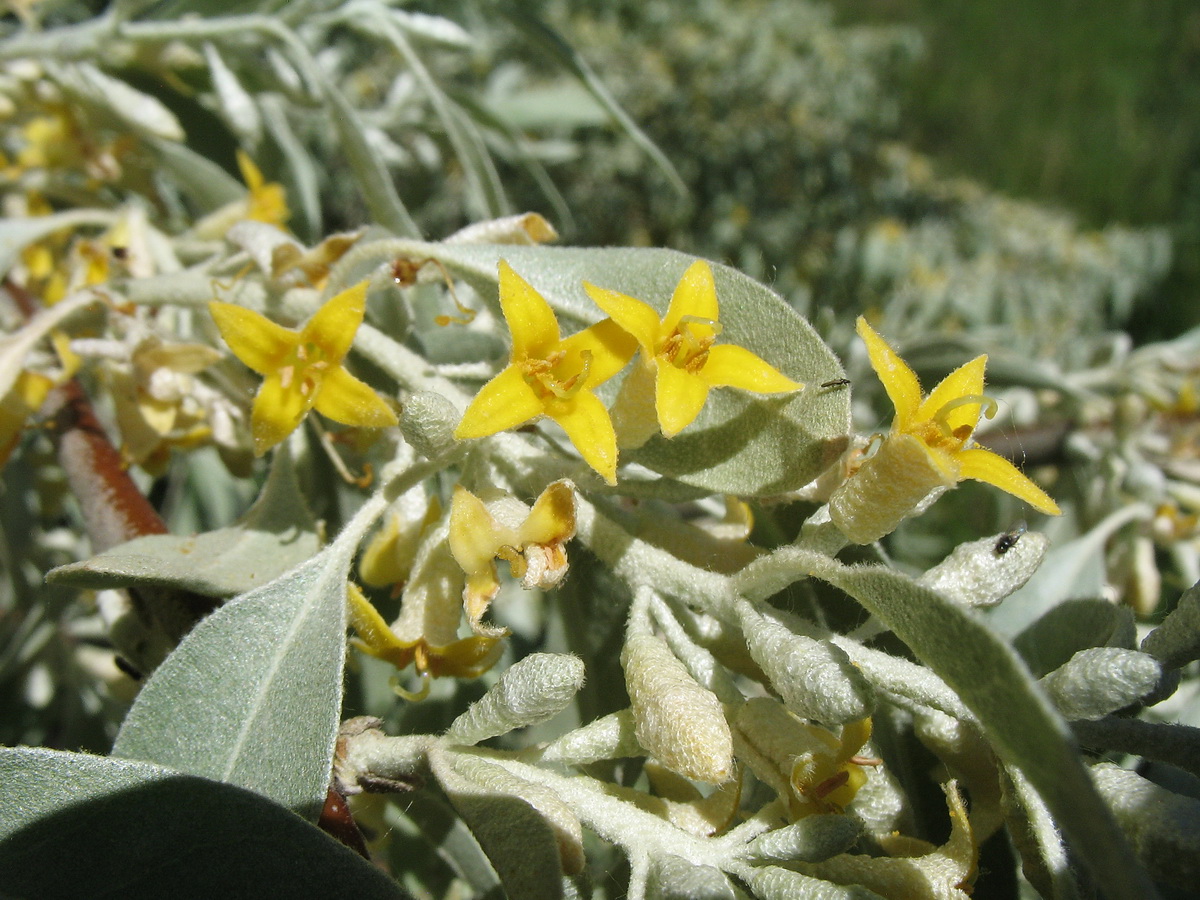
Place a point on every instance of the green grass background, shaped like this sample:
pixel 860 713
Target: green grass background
pixel 1092 105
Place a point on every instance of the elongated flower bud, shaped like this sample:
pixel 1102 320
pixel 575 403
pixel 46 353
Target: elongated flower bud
pixel 681 723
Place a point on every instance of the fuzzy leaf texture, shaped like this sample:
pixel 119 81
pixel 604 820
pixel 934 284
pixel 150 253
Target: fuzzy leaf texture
pixel 990 680
pixel 522 845
pixel 530 691
pixel 74 825
pixel 277 534
pixel 676 720
pixel 252 696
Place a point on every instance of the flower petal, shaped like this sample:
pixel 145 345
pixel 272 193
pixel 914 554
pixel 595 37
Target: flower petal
pixel 253 338
pixel 610 345
pixel 965 381
pixel 898 379
pixel 678 398
pixel 530 319
pixel 333 326
pixel 731 366
pixel 345 399
pixel 552 519
pixel 638 318
pixel 276 413
pixel 695 295
pixel 586 422
pixel 475 535
pixel 375 638
pixel 984 465
pixel 504 402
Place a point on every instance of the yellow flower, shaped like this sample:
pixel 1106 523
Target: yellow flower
pixel 530 541
pixel 928 449
pixel 435 651
pixel 268 200
pixel 827 775
pixel 549 376
pixel 679 350
pixel 816 771
pixel 303 369
pixel 22 401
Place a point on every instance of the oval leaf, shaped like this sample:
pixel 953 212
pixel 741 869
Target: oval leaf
pixel 73 825
pixel 277 534
pixel 252 695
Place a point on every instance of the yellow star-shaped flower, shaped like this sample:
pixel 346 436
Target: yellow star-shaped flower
pixel 302 369
pixel 531 541
pixel 267 201
pixel 550 376
pixel 928 449
pixel 679 350
pixel 425 636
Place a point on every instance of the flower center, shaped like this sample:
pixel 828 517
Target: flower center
pixel 942 434
pixel 304 367
pixel 549 381
pixel 687 347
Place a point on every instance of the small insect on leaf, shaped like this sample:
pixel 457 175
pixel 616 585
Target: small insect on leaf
pixel 1009 539
pixel 837 382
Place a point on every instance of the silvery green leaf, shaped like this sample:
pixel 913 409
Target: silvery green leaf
pixel 741 443
pixel 1176 641
pixel 674 878
pixel 252 695
pixel 777 883
pixel 996 687
pixel 609 737
pixel 485 191
pixel 1072 571
pixel 1095 682
pixel 1164 827
pixel 277 534
pixel 371 175
pixel 17 234
pixel 234 103
pixel 206 184
pixel 519 842
pixel 1044 858
pixel 562 52
pixel 1171 743
pixel 984 572
pixel 1073 626
pixel 815 678
pixel 304 182
pixel 435 29
pixel 74 825
pixel 812 839
pixel 143 113
pixel 532 690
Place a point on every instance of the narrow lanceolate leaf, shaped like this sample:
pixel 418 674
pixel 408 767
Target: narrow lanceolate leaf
pixel 1101 680
pixel 741 443
pixel 277 534
pixel 997 688
pixel 252 695
pixel 1177 640
pixel 532 690
pixel 815 678
pixel 520 842
pixel 73 825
